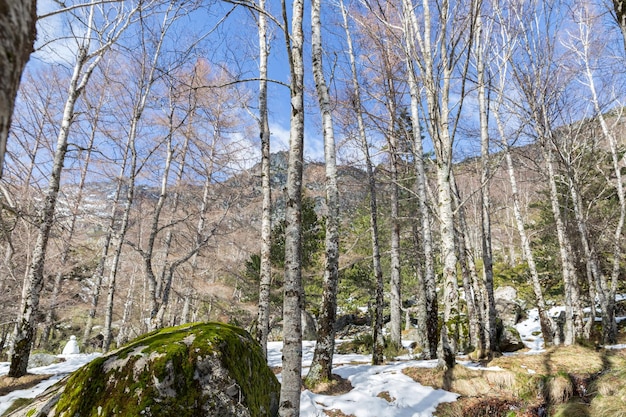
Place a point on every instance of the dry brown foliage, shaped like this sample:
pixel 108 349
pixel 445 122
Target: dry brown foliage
pixel 337 386
pixel 8 384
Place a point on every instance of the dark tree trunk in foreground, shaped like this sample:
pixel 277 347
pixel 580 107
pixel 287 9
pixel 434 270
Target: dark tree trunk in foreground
pixel 17 35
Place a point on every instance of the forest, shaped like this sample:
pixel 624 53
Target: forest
pixel 254 162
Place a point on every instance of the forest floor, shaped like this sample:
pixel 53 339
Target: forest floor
pixel 573 381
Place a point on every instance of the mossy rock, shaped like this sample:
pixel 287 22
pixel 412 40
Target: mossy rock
pixel 194 370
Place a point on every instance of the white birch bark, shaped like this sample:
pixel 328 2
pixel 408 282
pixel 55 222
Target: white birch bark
pixel 428 286
pixel 508 45
pixel 67 243
pixel 573 311
pixel 289 405
pixel 606 291
pixel 487 256
pixel 265 272
pixel 379 343
pixel 98 275
pixel 322 364
pixel 437 83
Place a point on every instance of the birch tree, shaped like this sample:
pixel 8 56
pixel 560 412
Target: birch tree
pixel 292 288
pixel 540 83
pixel 379 343
pixel 71 227
pixel 583 44
pixel 481 45
pixel 87 59
pixel 507 44
pixel 429 316
pixel 322 364
pixel 147 75
pixel 438 35
pixel 266 213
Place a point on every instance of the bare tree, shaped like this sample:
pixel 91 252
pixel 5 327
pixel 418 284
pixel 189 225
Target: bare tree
pixel 541 85
pixel 482 35
pixel 87 58
pixel 379 343
pixel 266 217
pixel 293 299
pixel 508 44
pixel 439 34
pixel 585 46
pixel 429 314
pixel 322 364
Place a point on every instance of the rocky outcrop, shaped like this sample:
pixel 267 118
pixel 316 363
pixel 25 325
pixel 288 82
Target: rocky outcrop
pixel 195 370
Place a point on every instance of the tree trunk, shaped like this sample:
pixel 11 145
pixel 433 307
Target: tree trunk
pixel 17 26
pixel 609 325
pixel 65 252
pixel 547 327
pixel 263 324
pixel 487 255
pixel 395 283
pixel 293 297
pixel 379 343
pixel 322 364
pixel 98 275
pixel 573 310
pixel 428 285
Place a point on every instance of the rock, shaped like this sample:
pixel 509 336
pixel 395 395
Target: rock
pixel 507 308
pixel 37 360
pixel 505 293
pixel 194 370
pixel 71 347
pixel 508 311
pixel 510 340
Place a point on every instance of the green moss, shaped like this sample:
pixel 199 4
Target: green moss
pixel 123 390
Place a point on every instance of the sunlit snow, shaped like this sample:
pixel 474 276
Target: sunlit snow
pixel 408 398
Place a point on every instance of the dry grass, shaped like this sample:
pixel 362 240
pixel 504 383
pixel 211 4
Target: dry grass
pixel 337 386
pixel 465 381
pixel 573 408
pixel 337 413
pixel 614 406
pixel 569 359
pixel 8 384
pixel 557 389
pixel 386 396
pixel 570 381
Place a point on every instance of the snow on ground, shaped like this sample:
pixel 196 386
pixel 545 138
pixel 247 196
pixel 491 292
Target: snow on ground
pixel 409 399
pixel 57 370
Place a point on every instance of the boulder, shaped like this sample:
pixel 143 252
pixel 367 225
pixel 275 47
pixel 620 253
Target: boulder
pixel 194 370
pixel 507 307
pixel 508 311
pixel 510 340
pixel 505 293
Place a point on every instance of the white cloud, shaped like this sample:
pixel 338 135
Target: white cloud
pixel 54 42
